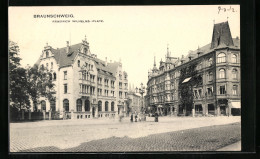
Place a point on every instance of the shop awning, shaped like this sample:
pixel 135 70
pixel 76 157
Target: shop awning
pixel 186 80
pixel 236 104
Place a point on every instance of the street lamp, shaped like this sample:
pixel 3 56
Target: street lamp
pixel 141 91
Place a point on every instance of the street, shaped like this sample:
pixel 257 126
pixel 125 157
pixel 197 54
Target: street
pixel 104 135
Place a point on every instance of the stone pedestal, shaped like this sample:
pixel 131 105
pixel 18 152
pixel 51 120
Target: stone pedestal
pixel 218 111
pixel 72 114
pixel 49 115
pixel 44 114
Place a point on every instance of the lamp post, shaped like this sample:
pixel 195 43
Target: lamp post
pixel 141 90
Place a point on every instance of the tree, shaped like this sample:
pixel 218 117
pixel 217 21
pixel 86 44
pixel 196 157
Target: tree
pixel 18 83
pixel 40 83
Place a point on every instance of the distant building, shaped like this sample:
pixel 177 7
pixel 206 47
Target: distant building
pixel 134 101
pixel 85 86
pixel 206 81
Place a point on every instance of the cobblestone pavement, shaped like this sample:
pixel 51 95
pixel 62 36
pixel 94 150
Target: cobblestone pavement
pixel 96 135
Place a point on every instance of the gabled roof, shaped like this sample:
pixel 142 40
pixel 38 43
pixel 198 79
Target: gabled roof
pixel 113 66
pixel 63 58
pixel 221 35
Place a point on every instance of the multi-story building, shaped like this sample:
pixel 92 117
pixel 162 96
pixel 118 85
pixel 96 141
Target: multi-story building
pixel 85 86
pixel 206 81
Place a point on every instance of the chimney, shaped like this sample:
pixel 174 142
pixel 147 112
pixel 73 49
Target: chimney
pixel 68 47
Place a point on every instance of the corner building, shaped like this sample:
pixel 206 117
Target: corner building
pixel 85 86
pixel 205 82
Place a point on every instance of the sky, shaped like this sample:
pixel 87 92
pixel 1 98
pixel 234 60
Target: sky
pixel 134 34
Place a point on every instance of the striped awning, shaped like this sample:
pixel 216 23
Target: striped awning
pixel 236 104
pixel 186 80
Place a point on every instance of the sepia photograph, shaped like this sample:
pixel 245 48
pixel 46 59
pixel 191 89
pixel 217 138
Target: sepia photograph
pixel 159 78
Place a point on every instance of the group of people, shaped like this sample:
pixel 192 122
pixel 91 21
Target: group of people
pixel 138 117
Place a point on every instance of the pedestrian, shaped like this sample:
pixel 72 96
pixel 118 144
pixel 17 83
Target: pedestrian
pixel 132 116
pixel 136 117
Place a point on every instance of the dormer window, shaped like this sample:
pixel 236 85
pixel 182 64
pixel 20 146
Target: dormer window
pixel 78 63
pixel 85 50
pixel 47 54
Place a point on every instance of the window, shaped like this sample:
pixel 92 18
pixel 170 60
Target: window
pixel 99 106
pixel 112 93
pixel 43 105
pixel 125 94
pixel 222 73
pixel 120 84
pixel 87 105
pixel 47 65
pixel 210 76
pixel 85 50
pixel 210 93
pixel 234 90
pixel 222 90
pixel 65 88
pixel 47 53
pixel 78 63
pixel 65 75
pixel 50 76
pixel 234 74
pixel 66 105
pixel 210 62
pixel 106 106
pixel 79 105
pixel 120 94
pixel 51 65
pixel 234 58
pixel 221 58
pixel 112 106
pixel 54 76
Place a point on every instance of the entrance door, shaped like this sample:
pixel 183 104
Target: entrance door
pixel 223 110
pixel 93 111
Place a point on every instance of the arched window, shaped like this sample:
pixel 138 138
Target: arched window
pixel 112 106
pixel 222 73
pixel 234 58
pixel 85 50
pixel 43 105
pixel 99 106
pixel 47 53
pixel 210 76
pixel 79 105
pixel 66 105
pixel 87 105
pixel 106 106
pixel 53 105
pixel 221 58
pixel 210 61
pixel 234 74
pixel 78 63
pixel 54 76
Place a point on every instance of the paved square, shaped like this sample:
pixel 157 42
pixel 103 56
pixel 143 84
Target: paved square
pixel 104 135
